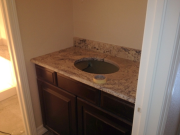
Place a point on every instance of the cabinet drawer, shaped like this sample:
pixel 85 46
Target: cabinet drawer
pixel 81 90
pixel 117 106
pixel 46 74
pixel 93 120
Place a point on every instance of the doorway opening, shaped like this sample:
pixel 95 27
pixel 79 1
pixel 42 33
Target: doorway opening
pixel 11 121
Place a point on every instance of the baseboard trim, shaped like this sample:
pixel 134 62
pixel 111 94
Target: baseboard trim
pixel 41 130
pixel 7 93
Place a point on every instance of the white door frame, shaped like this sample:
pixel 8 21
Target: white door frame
pixel 150 96
pixel 9 14
pixel 159 62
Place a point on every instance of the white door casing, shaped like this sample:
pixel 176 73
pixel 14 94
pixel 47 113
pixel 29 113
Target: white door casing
pixel 8 9
pixel 158 67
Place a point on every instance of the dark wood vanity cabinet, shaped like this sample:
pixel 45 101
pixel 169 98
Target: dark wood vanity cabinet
pixel 70 107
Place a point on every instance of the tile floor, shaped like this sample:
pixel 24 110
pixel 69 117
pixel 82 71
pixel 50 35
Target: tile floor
pixel 10 117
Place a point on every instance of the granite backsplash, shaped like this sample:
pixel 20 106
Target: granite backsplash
pixel 110 49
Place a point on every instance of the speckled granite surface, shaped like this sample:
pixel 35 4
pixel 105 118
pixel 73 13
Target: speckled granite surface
pixel 121 84
pixel 114 50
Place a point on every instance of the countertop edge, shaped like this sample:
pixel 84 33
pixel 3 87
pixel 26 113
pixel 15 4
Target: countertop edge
pixel 97 86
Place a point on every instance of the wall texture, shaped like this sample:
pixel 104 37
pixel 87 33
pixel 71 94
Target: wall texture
pixel 45 26
pixel 118 22
pixel 4 52
pixel 2 32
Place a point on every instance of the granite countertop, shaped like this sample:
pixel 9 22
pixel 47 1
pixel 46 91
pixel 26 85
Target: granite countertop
pixel 122 84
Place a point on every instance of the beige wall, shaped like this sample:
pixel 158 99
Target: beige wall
pixel 2 31
pixel 45 26
pixel 1 25
pixel 119 22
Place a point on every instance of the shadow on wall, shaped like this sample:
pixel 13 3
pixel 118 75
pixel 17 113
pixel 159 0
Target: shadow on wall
pixel 4 51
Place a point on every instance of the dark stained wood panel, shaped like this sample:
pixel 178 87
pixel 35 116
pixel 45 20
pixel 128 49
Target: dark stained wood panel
pixel 93 120
pixel 58 109
pixel 46 74
pixel 81 90
pixel 117 106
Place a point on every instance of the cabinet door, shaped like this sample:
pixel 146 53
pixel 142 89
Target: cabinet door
pixel 93 120
pixel 58 109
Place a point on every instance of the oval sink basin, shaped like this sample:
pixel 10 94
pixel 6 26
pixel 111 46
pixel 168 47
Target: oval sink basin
pixel 96 66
